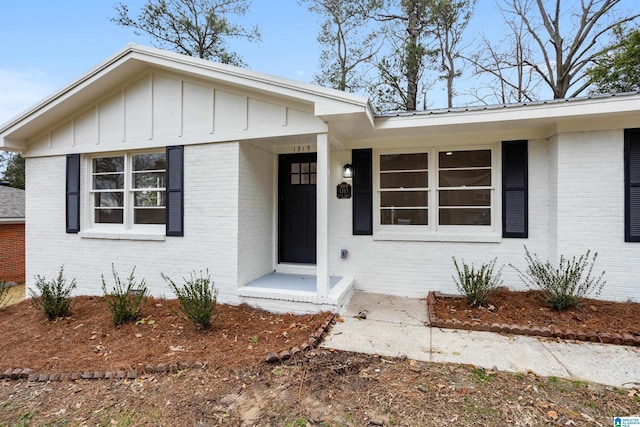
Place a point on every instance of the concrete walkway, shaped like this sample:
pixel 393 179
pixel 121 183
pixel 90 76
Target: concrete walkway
pixel 399 326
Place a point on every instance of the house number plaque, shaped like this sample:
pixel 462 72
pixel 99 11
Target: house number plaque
pixel 344 190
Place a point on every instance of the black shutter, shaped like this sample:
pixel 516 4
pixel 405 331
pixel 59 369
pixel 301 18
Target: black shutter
pixel 73 193
pixel 515 189
pixel 361 161
pixel 632 185
pixel 175 192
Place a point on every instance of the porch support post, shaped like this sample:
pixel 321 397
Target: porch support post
pixel 322 215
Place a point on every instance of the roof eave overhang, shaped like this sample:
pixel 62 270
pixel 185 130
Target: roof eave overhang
pixel 8 221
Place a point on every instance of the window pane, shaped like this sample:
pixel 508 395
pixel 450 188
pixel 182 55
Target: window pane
pixel 304 179
pixel 109 200
pixel 463 216
pixel 146 162
pixel 314 178
pixel 465 178
pixel 314 167
pixel 108 164
pixel 295 179
pixel 109 216
pixel 465 198
pixel 413 161
pixel 305 167
pixel 295 167
pixel 404 216
pixel 108 182
pixel 403 198
pixel 404 180
pixel 464 159
pixel 149 198
pixel 149 216
pixel 148 180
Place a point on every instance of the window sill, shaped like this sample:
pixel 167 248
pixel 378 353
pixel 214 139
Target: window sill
pixel 409 236
pixel 107 235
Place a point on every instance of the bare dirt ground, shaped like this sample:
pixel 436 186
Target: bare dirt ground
pixel 237 388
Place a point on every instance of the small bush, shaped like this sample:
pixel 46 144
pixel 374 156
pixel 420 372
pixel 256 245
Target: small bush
pixel 4 292
pixel 477 286
pixel 566 285
pixel 54 297
pixel 198 298
pixel 125 302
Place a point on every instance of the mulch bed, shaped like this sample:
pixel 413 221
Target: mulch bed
pixel 525 313
pixel 88 340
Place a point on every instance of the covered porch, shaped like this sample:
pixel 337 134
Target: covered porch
pixel 267 276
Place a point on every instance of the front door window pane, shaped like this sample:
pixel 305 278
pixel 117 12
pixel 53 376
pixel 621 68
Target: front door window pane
pixel 304 173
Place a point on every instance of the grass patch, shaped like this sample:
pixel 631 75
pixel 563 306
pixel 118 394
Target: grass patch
pixel 480 375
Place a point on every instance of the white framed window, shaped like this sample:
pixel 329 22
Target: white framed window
pixel 127 191
pixel 437 194
pixel 404 188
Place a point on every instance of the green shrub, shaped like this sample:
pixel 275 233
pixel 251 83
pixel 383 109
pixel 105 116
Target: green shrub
pixel 477 285
pixel 125 302
pixel 566 285
pixel 198 298
pixel 4 292
pixel 54 297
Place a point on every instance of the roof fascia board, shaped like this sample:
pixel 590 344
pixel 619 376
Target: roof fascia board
pixel 558 112
pixel 8 221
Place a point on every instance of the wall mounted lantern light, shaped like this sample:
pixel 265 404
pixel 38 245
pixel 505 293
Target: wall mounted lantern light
pixel 347 171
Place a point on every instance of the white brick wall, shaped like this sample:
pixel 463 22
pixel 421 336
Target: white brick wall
pixel 256 213
pixel 209 242
pixel 576 202
pixel 414 268
pixel 591 208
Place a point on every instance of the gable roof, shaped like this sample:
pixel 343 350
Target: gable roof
pixel 11 204
pixel 134 59
pixel 349 117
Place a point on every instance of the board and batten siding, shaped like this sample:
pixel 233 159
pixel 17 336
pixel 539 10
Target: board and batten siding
pixel 165 109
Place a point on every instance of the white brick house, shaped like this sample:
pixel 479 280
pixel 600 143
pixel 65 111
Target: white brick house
pixel 173 164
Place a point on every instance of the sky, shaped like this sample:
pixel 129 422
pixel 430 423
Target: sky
pixel 47 44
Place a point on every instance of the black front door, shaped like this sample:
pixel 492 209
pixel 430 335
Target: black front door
pixel 297 208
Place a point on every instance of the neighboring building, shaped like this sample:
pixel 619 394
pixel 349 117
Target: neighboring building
pixel 171 164
pixel 11 234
